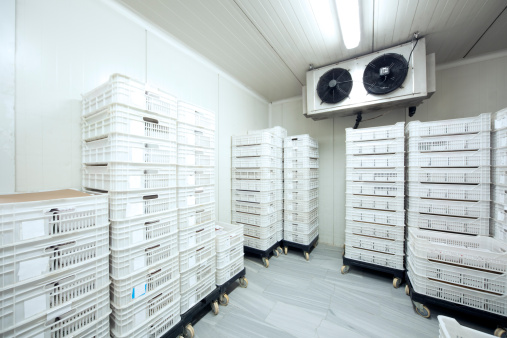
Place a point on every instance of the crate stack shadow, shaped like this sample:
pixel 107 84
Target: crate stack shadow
pixel 130 152
pixel 54 265
pixel 375 189
pixel 498 226
pixel 450 257
pixel 257 191
pixel 301 193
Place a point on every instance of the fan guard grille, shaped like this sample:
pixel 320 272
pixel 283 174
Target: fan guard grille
pixel 385 74
pixel 334 86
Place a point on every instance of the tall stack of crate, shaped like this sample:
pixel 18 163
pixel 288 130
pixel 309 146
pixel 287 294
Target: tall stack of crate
pixel 257 188
pixel 129 151
pixel 449 254
pixel 196 203
pixel 375 214
pixel 498 226
pixel 301 189
pixel 54 265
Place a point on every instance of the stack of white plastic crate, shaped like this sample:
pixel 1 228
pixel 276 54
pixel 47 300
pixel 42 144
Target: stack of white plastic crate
pixel 449 254
pixel 196 203
pixel 129 151
pixel 257 188
pixel 498 226
pixel 229 244
pixel 54 265
pixel 301 189
pixel 375 214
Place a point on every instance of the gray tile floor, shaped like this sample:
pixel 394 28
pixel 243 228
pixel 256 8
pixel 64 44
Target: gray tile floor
pixel 296 298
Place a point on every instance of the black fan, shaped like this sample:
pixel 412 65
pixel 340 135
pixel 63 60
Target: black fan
pixel 385 74
pixel 334 85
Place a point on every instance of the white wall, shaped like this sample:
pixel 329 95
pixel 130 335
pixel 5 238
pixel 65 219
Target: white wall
pixel 66 48
pixel 462 91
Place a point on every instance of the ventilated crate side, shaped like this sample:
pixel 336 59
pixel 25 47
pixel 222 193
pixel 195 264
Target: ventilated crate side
pixel 449 208
pixel 196 275
pixel 192 176
pixel 256 196
pixel 124 205
pixel 300 152
pixel 499 138
pixel 227 235
pixel 257 174
pixel 376 175
pixel 195 136
pixel 450 159
pixel 301 163
pixel 395 233
pixel 189 217
pixel 481 175
pixel 300 238
pixel 301 206
pixel 194 156
pixel 258 220
pixel 375 216
pixel 375 202
pixel 301 227
pixel 475 192
pixel 376 133
pixel 301 184
pixel 499 157
pixel 374 244
pixel 300 141
pixel 377 258
pixel 260 232
pixel 194 295
pixel 375 147
pixel 191 257
pixel 472 226
pixel 450 127
pixel 257 208
pixel 194 115
pixel 464 142
pixel 376 161
pixel 188 197
pixel 232 269
pixel 376 189
pixel 300 174
pixel 257 185
pixel 301 195
pixel 257 162
pixel 260 138
pixel 196 235
pixel 260 244
pixel 257 150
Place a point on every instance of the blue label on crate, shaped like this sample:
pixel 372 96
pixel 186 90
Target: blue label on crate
pixel 139 290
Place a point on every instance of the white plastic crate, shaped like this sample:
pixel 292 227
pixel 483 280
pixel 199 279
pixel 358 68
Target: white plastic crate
pixel 195 136
pixel 479 175
pixel 279 235
pixel 33 300
pixel 117 118
pixel 450 328
pixel 123 205
pixel 128 177
pixel 128 318
pixel 302 217
pixel 499 194
pixel 188 197
pixel 196 235
pixel 196 275
pixel 301 195
pixel 260 244
pixel 450 143
pixel 27 262
pixel 499 176
pixel 475 192
pixel 301 206
pixel 499 138
pixel 394 233
pixel 256 196
pixel 257 162
pixel 227 235
pixel 257 150
pixel 300 152
pixel 83 318
pixel 198 292
pixel 260 232
pixel 375 202
pixel 376 133
pixel 224 274
pixel 300 238
pixel 146 283
pixel 301 184
pixel 499 157
pixel 257 185
pixel 300 174
pixel 47 219
pixel 125 90
pixel 189 217
pixel 499 212
pixel 196 255
pixel 300 141
pixel 225 257
pixel 376 175
pixel 449 127
pixel 301 227
pixel 127 261
pixel 376 161
pixel 375 216
pixel 376 189
pixel 500 119
pixel 257 208
pixel 301 163
pixel 377 258
pixel 128 149
pixel 263 137
pixel 475 252
pixel 449 208
pixel 277 130
pixel 191 176
pixel 471 226
pixel 257 174
pixel 450 159
pixel 192 156
pixel 158 325
pixel 258 220
pixel 197 116
pixel 375 147
pixel 458 295
pixel 465 277
pixel 498 230
pixel 387 246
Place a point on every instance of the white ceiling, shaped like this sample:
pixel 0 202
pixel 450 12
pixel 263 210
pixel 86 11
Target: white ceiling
pixel 269 44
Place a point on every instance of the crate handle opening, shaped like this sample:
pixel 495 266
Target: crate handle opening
pixel 153 299
pixel 59 246
pixel 200 249
pixel 150 197
pixel 60 282
pixel 60 317
pixel 150 120
pixel 154 272
pixel 151 222
pixel 153 247
pixel 198 172
pixel 199 211
pixel 199 230
pixel 198 132
pixel 199 190
pixel 151 146
pixel 150 172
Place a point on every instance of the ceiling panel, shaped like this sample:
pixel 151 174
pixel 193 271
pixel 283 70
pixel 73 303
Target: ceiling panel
pixel 269 44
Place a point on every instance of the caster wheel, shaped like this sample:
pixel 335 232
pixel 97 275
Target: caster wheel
pixel 396 282
pixel 345 269
pixel 307 256
pixel 276 253
pixel 280 250
pixel 223 300
pixel 214 307
pixel 499 332
pixel 423 311
pixel 286 250
pixel 188 331
pixel 243 282
pixel 265 261
pixel 407 290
